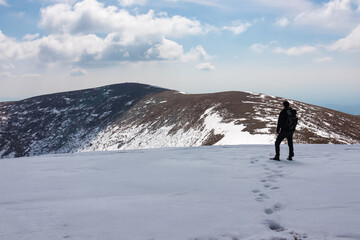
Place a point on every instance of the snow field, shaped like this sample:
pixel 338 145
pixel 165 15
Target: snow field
pixel 203 193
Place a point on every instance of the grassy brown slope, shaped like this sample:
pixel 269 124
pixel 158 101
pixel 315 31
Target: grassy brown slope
pixel 254 111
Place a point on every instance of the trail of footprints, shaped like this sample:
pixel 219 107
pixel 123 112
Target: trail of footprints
pixel 268 182
pixel 262 194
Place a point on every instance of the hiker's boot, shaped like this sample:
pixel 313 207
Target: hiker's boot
pixel 289 158
pixel 276 158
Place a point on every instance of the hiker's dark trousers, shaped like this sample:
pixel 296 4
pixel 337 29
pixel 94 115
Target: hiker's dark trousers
pixel 282 135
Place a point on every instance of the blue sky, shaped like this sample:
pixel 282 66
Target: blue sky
pixel 298 49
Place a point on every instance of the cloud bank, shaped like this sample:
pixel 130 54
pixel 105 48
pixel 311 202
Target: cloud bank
pixel 76 72
pixel 237 27
pixel 323 59
pixel 205 67
pixel 89 31
pixel 350 43
pixel 282 22
pixel 4 3
pixel 295 51
pixel 128 3
pixel 335 14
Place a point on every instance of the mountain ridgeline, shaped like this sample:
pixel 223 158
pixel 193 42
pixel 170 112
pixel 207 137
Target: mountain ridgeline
pixel 134 116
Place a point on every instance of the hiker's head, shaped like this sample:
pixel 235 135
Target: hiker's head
pixel 286 104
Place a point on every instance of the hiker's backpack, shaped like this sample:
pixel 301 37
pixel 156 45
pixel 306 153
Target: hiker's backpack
pixel 292 119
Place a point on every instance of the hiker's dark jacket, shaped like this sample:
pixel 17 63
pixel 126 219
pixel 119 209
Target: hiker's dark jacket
pixel 282 121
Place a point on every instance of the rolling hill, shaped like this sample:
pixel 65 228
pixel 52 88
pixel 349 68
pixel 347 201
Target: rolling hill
pixel 135 116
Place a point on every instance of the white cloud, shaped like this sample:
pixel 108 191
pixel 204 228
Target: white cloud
pixel 8 66
pixel 127 37
pixel 258 47
pixel 91 16
pixel 172 51
pixel 76 72
pixel 60 1
pixel 3 3
pixel 335 14
pixel 52 48
pixel 323 59
pixel 293 5
pixel 127 3
pixel 282 22
pixel 5 74
pixel 238 27
pixel 196 54
pixel 11 49
pixel 69 48
pixel 205 67
pixel 295 51
pixel 208 3
pixel 166 50
pixel 29 37
pixel 350 43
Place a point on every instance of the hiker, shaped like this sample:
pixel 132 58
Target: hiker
pixel 285 129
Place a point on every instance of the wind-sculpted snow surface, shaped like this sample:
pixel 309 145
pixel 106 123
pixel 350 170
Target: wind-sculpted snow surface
pixel 136 116
pixel 202 193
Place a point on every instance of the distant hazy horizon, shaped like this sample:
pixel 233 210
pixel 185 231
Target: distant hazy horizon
pixel 350 109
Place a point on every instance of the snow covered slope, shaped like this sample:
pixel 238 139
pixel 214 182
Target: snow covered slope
pixel 204 193
pixel 64 122
pixel 137 116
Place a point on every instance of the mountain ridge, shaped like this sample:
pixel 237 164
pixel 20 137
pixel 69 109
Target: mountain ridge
pixel 133 116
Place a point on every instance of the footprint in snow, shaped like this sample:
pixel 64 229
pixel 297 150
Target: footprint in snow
pixel 274 177
pixel 261 197
pixel 275 226
pixel 267 185
pixel 276 208
pixel 256 190
pixel 253 160
pixel 268 211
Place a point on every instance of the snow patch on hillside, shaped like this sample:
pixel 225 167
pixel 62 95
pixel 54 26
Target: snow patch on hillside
pixel 143 136
pixel 233 133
